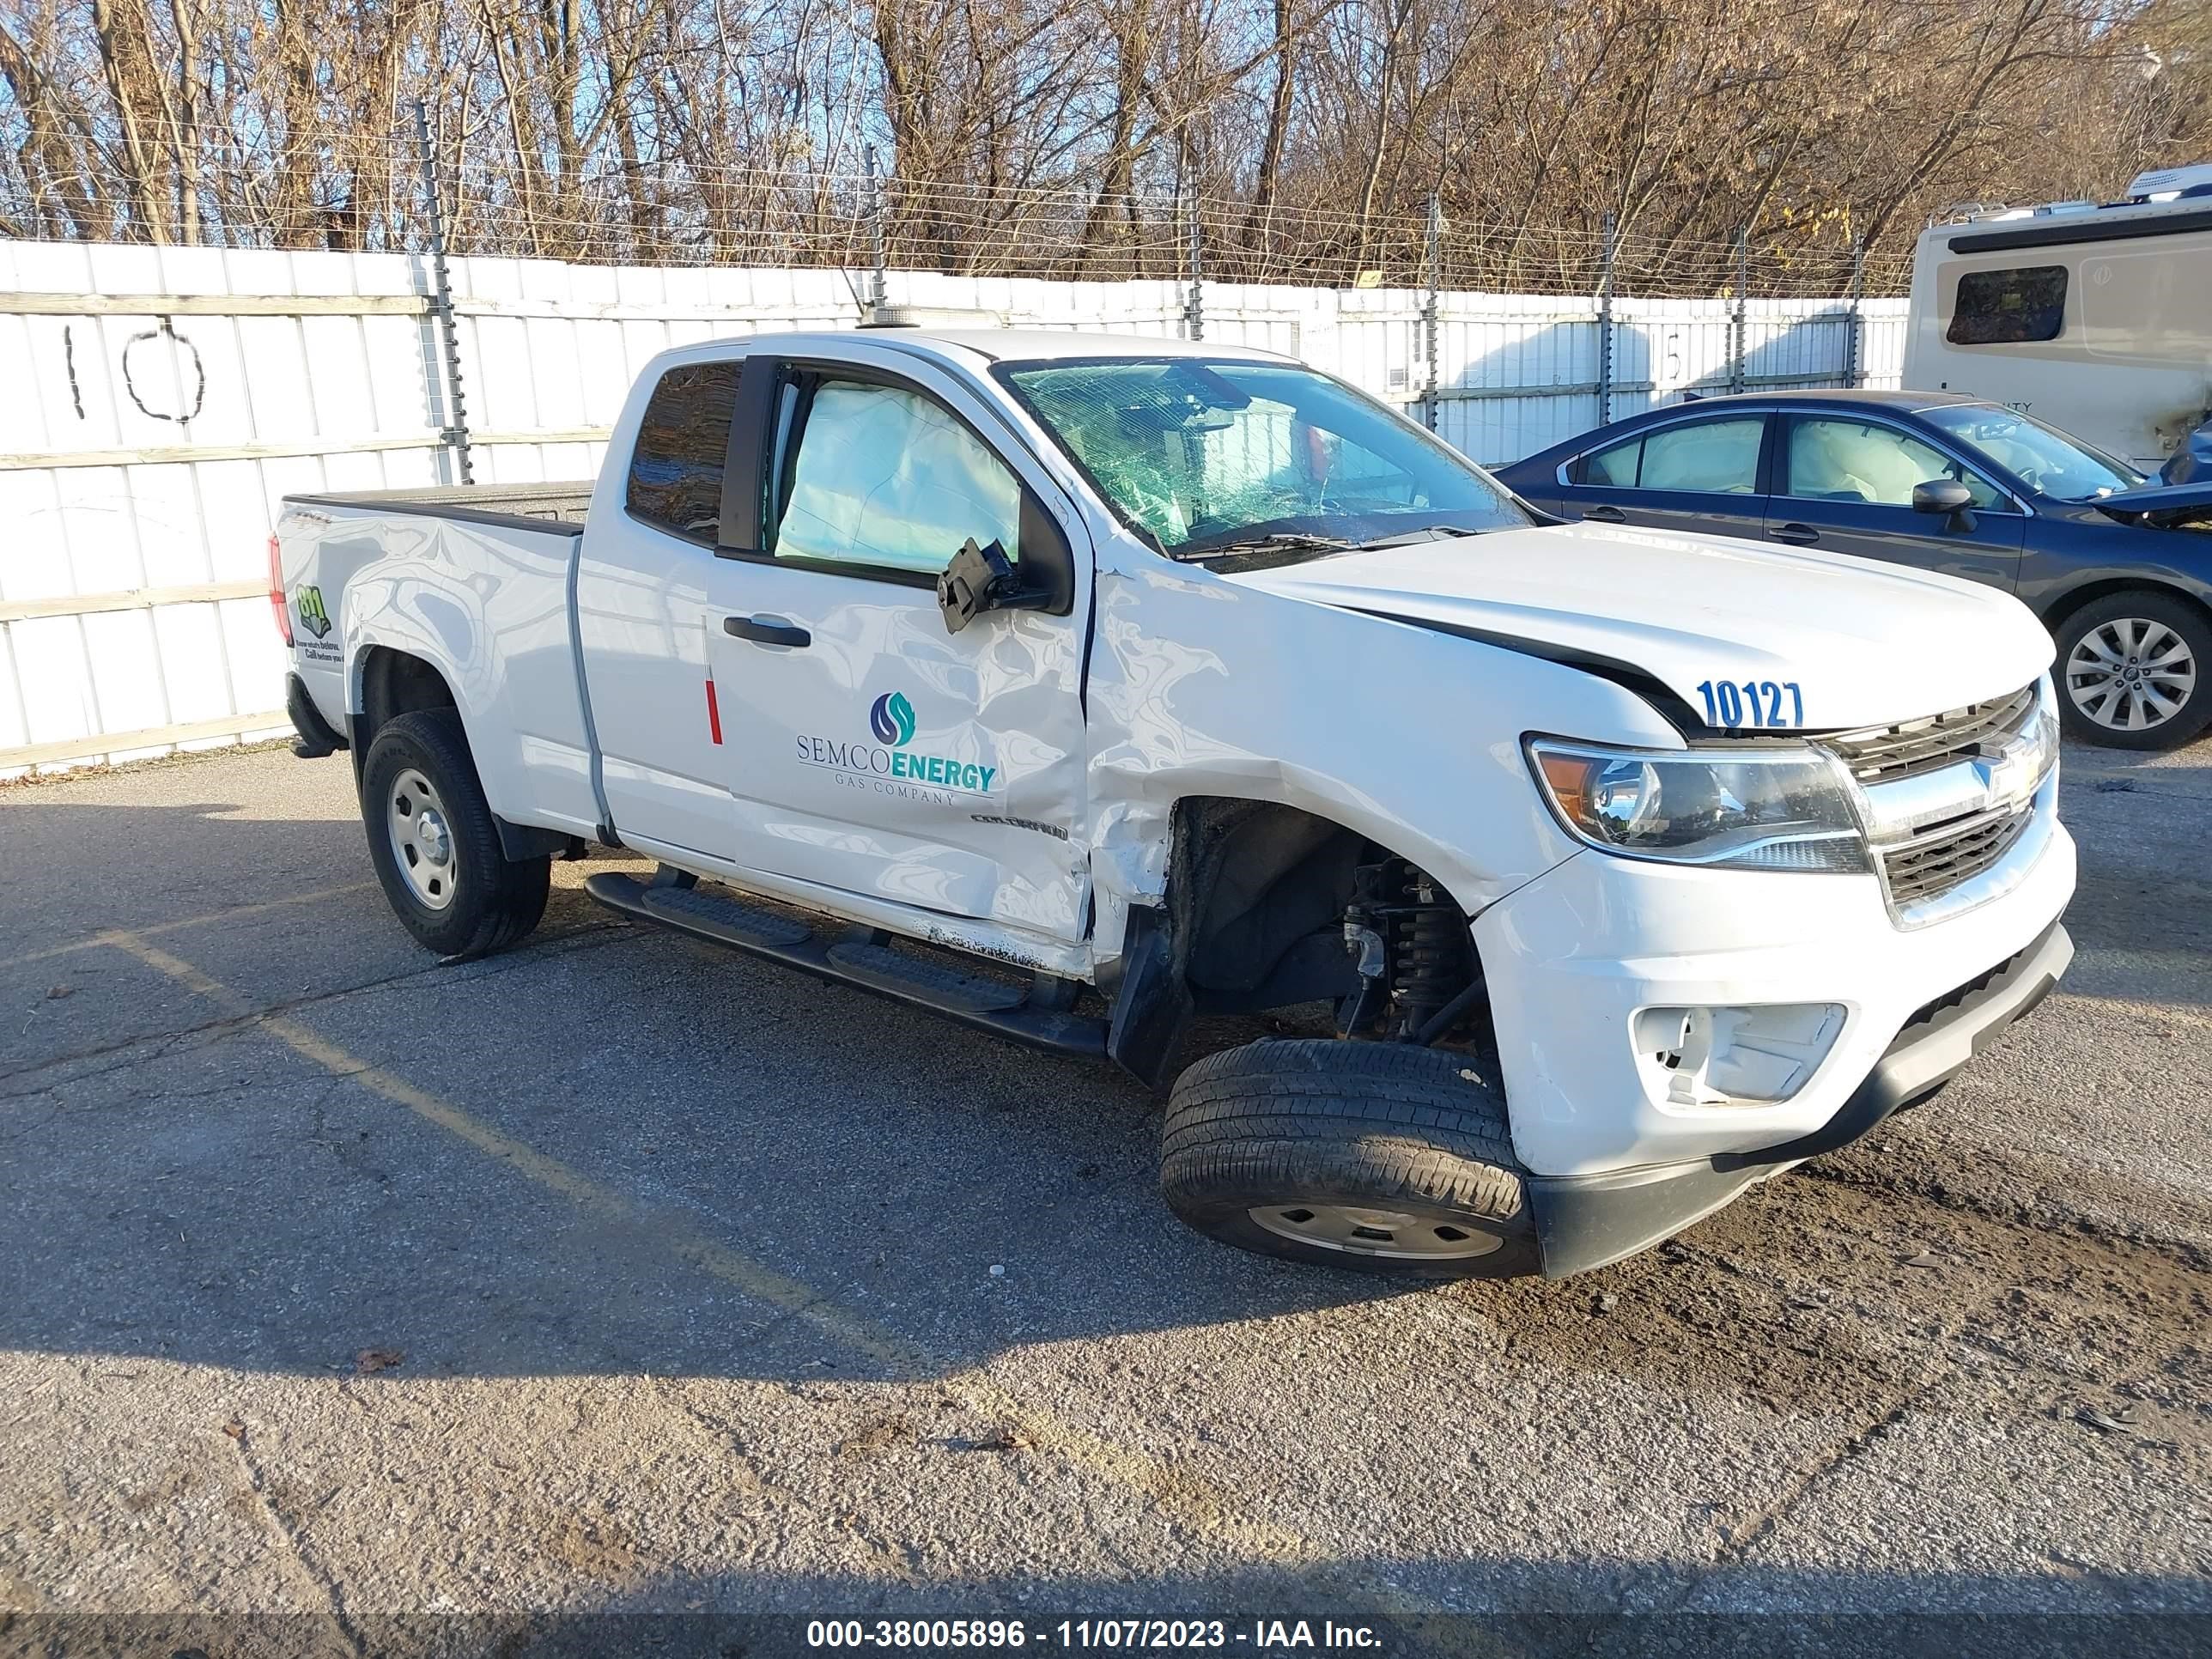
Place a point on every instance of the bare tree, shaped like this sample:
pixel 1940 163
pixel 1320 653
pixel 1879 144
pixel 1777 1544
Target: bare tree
pixel 1049 137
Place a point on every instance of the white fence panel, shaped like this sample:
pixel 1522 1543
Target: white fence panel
pixel 161 401
pixel 1881 350
pixel 1515 373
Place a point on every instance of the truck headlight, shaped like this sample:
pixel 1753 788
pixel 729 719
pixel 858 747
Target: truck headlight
pixel 1765 809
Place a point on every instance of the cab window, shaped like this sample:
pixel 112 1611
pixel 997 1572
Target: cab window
pixel 682 443
pixel 1847 460
pixel 886 478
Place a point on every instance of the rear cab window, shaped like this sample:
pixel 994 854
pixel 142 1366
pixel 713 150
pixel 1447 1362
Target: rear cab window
pixel 682 447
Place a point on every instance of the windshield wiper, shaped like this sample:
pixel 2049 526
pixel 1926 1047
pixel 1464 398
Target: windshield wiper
pixel 1279 541
pixel 1427 532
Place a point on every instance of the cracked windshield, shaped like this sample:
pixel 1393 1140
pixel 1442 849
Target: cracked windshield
pixel 1218 456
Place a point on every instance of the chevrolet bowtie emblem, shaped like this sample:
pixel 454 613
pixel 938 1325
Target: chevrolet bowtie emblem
pixel 2007 774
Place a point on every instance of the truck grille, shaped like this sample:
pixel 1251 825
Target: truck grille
pixel 1887 753
pixel 1947 796
pixel 1930 866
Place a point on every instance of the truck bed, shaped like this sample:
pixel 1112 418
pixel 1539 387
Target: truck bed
pixel 555 506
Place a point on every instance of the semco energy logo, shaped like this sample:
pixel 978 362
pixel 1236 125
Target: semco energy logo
pixel 888 766
pixel 891 719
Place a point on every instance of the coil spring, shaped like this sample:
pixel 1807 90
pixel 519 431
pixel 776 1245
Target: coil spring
pixel 1428 956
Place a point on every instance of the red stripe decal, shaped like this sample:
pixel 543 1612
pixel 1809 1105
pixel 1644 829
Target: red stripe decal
pixel 713 713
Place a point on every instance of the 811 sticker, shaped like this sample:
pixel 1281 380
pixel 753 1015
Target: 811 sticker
pixel 1734 704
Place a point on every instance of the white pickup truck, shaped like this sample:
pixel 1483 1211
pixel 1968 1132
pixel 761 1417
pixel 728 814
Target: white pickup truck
pixel 1074 686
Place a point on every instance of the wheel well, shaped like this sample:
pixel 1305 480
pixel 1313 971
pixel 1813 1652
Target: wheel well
pixel 2078 598
pixel 1261 894
pixel 396 682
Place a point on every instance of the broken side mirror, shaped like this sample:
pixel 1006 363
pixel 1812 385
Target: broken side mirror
pixel 981 579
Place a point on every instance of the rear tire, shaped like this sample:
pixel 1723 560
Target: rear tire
pixel 2163 640
pixel 436 846
pixel 1379 1158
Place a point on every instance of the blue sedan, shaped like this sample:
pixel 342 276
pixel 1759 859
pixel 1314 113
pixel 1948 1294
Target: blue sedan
pixel 2118 569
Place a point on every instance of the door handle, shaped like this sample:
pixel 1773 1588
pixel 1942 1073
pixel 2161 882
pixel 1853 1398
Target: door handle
pixel 766 630
pixel 1799 533
pixel 1604 515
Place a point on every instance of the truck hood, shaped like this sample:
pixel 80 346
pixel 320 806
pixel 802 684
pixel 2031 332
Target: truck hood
pixel 1866 644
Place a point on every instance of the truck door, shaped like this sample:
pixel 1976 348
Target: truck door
pixel 1844 483
pixel 871 749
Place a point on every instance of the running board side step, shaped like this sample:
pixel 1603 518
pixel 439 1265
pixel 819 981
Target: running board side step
pixel 973 1001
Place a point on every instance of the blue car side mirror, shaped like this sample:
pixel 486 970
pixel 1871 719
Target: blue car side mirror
pixel 1946 497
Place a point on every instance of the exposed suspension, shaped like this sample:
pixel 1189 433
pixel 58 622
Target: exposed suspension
pixel 1411 945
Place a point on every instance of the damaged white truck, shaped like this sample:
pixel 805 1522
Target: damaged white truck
pixel 1076 687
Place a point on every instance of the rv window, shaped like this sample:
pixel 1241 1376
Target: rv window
pixel 2002 307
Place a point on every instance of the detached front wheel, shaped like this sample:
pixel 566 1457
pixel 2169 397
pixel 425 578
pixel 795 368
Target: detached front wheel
pixel 1380 1157
pixel 436 844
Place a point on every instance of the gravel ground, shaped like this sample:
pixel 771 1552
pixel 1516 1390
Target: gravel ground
pixel 352 1303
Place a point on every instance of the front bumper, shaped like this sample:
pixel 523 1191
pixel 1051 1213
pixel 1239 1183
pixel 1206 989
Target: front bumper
pixel 1618 1157
pixel 1587 1221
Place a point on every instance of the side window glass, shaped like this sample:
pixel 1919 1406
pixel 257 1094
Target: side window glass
pixel 675 471
pixel 886 478
pixel 2004 307
pixel 1614 468
pixel 1834 460
pixel 1717 457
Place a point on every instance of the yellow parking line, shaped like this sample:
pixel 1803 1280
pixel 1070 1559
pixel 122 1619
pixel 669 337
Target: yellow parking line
pixel 232 914
pixel 1194 1502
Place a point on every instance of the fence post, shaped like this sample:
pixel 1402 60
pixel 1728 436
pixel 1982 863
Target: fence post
pixel 1432 312
pixel 878 292
pixel 1854 346
pixel 1605 328
pixel 1193 305
pixel 456 434
pixel 1742 283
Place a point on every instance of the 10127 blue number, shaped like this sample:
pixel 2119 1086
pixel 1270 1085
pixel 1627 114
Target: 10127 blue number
pixel 1733 704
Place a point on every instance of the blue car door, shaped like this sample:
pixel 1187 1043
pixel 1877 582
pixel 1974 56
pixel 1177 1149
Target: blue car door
pixel 1844 482
pixel 1695 473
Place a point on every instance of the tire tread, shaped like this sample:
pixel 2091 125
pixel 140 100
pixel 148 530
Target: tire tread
pixel 1392 1122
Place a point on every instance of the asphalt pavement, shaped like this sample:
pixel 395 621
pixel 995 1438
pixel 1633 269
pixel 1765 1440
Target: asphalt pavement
pixel 616 1289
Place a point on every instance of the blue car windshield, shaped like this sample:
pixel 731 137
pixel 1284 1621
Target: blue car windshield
pixel 2041 457
pixel 1205 453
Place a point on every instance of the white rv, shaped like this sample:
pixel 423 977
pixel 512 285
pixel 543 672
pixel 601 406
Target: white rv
pixel 2096 319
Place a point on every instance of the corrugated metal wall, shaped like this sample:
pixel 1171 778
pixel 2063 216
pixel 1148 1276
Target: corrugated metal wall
pixel 156 403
